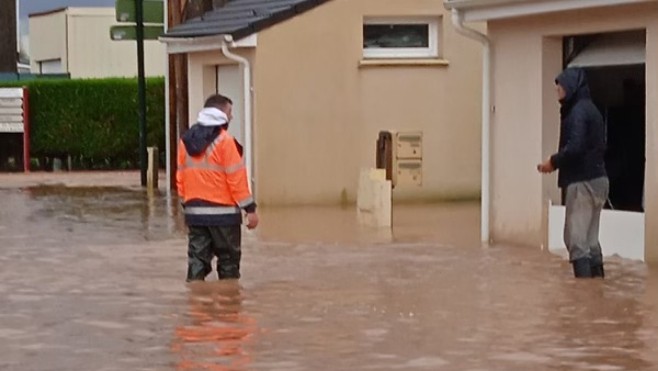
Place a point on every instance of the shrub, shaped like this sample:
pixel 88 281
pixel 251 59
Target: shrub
pixel 93 121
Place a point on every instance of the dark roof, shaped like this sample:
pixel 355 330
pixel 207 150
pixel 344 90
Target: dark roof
pixel 241 18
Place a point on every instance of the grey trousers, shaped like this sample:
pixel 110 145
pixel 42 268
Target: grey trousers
pixel 584 201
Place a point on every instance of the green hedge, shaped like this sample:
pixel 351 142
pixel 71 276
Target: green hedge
pixel 93 121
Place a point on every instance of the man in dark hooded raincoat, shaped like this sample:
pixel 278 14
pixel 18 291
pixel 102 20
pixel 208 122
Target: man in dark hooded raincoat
pixel 582 175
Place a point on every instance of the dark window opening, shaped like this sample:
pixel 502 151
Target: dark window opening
pixel 619 93
pixel 396 36
pixel 11 152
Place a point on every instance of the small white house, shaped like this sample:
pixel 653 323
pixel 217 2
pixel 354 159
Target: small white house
pixel 77 41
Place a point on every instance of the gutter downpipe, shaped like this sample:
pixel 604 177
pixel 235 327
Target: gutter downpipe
pixel 458 22
pixel 248 125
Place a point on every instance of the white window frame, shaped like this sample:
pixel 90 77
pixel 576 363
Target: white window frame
pixel 432 51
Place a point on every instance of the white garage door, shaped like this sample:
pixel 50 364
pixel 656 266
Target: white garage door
pixel 51 66
pixel 615 49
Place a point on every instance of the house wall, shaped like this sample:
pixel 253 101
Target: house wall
pixel 48 40
pixel 525 120
pixel 318 111
pixel 81 37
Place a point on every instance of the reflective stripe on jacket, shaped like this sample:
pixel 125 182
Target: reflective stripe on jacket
pixel 214 185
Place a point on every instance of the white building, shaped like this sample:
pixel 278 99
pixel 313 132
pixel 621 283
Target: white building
pixel 77 41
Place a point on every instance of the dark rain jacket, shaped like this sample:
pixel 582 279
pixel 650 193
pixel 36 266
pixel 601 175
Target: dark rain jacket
pixel 582 132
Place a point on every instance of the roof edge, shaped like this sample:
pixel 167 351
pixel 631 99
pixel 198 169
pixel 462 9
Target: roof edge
pixel 76 10
pixel 260 25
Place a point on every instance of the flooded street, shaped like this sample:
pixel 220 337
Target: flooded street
pixel 92 278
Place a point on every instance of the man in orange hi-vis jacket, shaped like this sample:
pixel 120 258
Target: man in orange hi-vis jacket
pixel 212 182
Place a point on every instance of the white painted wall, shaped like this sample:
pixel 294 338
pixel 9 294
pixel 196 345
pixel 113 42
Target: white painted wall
pixel 621 233
pixel 229 83
pixel 47 39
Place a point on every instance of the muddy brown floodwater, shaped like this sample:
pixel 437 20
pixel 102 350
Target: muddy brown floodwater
pixel 92 278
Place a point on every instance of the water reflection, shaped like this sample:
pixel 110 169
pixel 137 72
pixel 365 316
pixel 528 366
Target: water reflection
pixel 130 213
pixel 216 332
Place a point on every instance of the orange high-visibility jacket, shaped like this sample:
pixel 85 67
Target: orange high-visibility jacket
pixel 214 185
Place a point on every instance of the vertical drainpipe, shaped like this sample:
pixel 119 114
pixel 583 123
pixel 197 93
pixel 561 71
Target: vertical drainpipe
pixel 246 88
pixel 66 42
pixel 458 22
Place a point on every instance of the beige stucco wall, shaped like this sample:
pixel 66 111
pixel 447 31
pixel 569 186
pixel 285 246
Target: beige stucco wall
pixel 81 38
pixel 47 39
pixel 318 112
pixel 202 76
pixel 527 57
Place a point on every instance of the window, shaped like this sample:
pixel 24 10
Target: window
pixel 400 38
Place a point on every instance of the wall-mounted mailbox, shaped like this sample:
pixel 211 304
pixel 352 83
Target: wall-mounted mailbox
pixel 409 172
pixel 409 145
pixel 401 154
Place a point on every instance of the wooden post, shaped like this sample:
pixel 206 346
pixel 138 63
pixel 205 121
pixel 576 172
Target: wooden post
pixel 153 169
pixel 173 124
pixel 26 130
pixel 8 49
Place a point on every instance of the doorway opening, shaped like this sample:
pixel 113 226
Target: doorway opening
pixel 229 83
pixel 616 71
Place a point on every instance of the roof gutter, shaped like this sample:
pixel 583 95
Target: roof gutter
pixel 487 10
pixel 246 89
pixel 458 22
pixel 195 44
pixel 190 39
pixel 465 4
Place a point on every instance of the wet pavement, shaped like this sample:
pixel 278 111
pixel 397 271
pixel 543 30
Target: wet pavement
pixel 92 278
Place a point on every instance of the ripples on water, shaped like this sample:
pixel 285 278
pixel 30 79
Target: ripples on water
pixel 92 279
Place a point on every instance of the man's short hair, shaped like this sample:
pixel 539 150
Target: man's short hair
pixel 217 101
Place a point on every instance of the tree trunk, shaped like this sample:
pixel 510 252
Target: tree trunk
pixel 178 94
pixel 8 47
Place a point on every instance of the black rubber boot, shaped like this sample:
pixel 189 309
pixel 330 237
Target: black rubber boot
pixel 197 272
pixel 597 271
pixel 228 266
pixel 582 268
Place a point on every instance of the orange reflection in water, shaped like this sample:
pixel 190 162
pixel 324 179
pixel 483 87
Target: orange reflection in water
pixel 217 333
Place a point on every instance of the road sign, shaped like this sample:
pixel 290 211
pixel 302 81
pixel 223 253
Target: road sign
pixel 153 11
pixel 119 33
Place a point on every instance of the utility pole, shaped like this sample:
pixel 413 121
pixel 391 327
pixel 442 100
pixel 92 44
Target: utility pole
pixel 139 12
pixel 8 44
pixel 133 14
pixel 178 89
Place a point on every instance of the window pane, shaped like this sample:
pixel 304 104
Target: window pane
pixel 396 36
